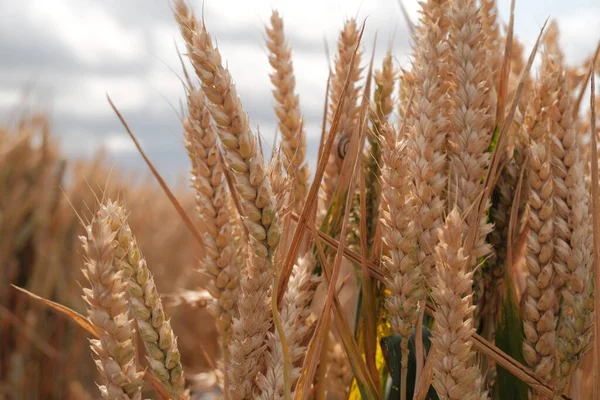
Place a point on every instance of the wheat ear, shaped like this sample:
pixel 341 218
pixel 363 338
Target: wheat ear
pixel 154 329
pixel 573 239
pixel 379 112
pixel 294 313
pixel 108 311
pixel 348 121
pixel 211 199
pixel 473 126
pixel 242 154
pixel 291 125
pixel 455 373
pixel 406 281
pixel 428 127
pixel 539 316
pixel 471 116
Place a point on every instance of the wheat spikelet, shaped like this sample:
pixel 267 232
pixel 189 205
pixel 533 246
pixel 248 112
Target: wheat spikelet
pixel 428 127
pixel 347 125
pixel 241 152
pixel 294 313
pixel 407 79
pixel 108 311
pixel 293 141
pixel 154 329
pixel 455 374
pixel 385 78
pixel 492 39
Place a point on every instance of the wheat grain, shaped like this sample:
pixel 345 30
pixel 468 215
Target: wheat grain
pixel 108 311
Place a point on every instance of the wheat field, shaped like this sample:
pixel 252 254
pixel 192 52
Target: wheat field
pixel 444 246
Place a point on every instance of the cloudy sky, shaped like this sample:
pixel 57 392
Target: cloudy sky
pixel 65 55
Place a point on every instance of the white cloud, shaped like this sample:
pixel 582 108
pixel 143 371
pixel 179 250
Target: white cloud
pixel 130 58
pixel 118 143
pixel 93 36
pixel 9 98
pixel 580 33
pixel 86 96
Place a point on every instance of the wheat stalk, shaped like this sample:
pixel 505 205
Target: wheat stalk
pixel 108 311
pixel 291 125
pixel 455 373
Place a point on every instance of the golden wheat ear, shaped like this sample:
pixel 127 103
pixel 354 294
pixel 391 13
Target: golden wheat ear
pixel 108 311
pixel 244 157
pixel 406 280
pixel 154 327
pixel 346 67
pixel 291 124
pixel 213 200
pixel 455 372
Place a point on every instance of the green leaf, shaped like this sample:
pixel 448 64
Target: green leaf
pixel 509 338
pixel 390 345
